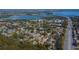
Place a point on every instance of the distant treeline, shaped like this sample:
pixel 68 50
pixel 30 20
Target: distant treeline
pixel 55 17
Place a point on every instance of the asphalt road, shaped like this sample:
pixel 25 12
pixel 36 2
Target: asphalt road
pixel 68 37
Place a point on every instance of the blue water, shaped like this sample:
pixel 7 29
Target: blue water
pixel 25 17
pixel 66 13
pixel 55 13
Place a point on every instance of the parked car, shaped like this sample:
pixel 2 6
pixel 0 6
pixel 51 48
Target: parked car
pixel 74 42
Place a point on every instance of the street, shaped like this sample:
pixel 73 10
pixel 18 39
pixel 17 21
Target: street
pixel 68 36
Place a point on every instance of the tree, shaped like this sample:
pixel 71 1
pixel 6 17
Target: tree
pixel 14 35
